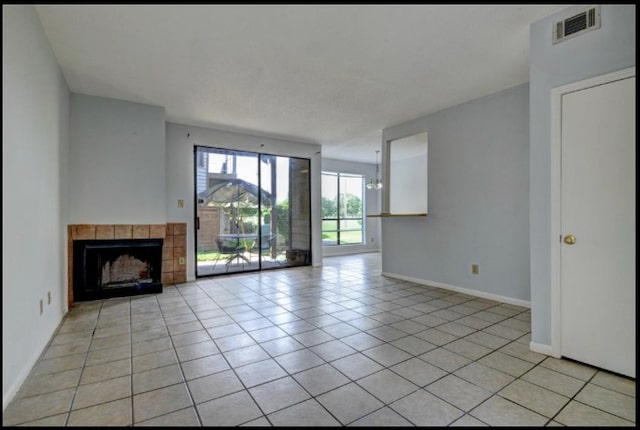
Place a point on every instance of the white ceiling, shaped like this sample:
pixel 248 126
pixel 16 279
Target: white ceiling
pixel 329 74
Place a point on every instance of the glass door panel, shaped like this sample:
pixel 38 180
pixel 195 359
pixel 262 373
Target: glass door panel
pixel 227 208
pixel 252 211
pixel 298 251
pixel 286 228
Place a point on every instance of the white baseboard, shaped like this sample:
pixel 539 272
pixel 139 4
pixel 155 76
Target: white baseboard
pixel 541 348
pixel 476 293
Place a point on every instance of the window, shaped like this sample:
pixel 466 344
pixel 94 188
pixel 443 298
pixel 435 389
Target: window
pixel 200 157
pixel 342 209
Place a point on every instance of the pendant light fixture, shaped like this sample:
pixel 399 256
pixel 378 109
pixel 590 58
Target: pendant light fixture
pixel 377 184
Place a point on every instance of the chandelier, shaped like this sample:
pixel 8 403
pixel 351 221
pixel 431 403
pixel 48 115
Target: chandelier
pixel 377 183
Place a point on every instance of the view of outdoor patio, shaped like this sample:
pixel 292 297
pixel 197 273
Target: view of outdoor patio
pixel 244 217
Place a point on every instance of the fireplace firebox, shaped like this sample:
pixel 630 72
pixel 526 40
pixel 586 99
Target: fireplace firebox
pixel 115 268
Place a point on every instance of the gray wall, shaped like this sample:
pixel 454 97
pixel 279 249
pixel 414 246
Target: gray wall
pixel 478 169
pixel 180 142
pixel 117 162
pixel 35 116
pixel 372 200
pixel 608 49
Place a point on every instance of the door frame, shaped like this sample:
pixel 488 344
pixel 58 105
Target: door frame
pixel 259 155
pixel 556 198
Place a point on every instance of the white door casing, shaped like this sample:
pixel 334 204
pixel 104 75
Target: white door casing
pixel 593 180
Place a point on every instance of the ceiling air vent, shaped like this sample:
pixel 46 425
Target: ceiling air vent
pixel 587 20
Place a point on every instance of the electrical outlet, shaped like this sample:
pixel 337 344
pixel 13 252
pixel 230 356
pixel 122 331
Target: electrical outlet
pixel 48 297
pixel 41 306
pixel 180 203
pixel 181 260
pixel 475 269
pixel 371 240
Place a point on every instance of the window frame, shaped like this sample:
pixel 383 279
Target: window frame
pixel 338 219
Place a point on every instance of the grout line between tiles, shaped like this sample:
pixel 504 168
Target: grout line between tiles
pixel 296 295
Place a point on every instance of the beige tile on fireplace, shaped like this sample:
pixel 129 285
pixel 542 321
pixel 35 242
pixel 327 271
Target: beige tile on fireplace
pixel 178 253
pixel 123 231
pixel 167 266
pixel 179 229
pixel 179 277
pixel 157 231
pixel 168 241
pixel 179 241
pixel 105 232
pixel 167 278
pixel 140 231
pixel 84 232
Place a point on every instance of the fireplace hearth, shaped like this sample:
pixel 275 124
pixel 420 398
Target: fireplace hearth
pixel 115 268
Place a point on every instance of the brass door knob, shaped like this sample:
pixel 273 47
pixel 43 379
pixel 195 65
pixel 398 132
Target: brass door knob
pixel 570 239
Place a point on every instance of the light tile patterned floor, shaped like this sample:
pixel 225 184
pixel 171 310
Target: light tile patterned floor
pixel 330 346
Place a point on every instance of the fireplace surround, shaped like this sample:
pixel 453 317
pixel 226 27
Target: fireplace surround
pixel 173 248
pixel 116 267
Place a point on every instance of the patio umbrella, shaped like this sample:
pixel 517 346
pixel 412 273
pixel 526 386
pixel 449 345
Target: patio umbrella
pixel 233 192
pixel 237 198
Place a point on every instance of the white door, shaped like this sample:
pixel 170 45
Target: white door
pixel 598 199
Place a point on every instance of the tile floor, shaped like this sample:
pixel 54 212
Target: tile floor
pixel 330 346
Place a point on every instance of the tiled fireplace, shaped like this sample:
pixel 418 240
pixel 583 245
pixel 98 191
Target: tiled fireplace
pixel 102 242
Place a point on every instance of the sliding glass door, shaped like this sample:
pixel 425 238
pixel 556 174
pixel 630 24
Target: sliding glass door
pixel 252 211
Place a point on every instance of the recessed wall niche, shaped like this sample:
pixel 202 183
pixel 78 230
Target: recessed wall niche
pixel 406 164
